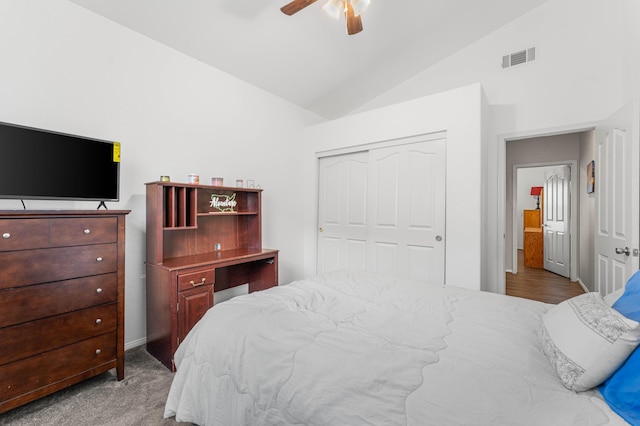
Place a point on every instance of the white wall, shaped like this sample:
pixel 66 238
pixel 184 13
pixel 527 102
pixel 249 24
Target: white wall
pixel 588 66
pixel 587 61
pixel 587 209
pixel 66 69
pixel 459 113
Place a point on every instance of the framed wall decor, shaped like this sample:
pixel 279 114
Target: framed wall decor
pixel 591 177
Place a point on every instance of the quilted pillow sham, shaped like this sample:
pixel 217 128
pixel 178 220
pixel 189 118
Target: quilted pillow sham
pixel 586 341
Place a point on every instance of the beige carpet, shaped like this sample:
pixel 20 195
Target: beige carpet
pixel 137 400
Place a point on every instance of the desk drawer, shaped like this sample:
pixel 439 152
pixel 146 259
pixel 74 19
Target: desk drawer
pixel 21 377
pixel 30 303
pixel 83 230
pixel 187 281
pixel 21 268
pixel 23 234
pixel 31 338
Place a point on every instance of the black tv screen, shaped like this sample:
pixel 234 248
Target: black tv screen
pixel 42 164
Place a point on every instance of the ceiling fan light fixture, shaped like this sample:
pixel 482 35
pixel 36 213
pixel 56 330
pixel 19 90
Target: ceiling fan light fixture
pixel 334 8
pixel 359 6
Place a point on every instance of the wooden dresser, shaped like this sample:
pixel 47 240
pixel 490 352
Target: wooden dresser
pixel 200 239
pixel 61 300
pixel 533 240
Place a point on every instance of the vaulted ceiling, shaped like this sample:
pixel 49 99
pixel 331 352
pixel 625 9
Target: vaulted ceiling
pixel 308 58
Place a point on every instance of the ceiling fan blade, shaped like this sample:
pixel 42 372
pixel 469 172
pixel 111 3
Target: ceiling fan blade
pixel 296 6
pixel 354 23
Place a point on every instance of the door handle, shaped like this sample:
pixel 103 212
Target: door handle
pixel 624 251
pixel 195 284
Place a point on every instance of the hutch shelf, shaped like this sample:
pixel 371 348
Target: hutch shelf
pixel 200 239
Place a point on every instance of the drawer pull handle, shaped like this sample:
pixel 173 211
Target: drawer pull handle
pixel 6 235
pixel 99 321
pixel 98 351
pixel 98 290
pixel 98 259
pixel 87 231
pixel 194 284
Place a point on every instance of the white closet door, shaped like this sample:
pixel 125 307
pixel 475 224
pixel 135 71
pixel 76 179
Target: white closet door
pixel 342 215
pixel 406 206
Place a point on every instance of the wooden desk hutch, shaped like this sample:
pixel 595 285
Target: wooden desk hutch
pixel 200 239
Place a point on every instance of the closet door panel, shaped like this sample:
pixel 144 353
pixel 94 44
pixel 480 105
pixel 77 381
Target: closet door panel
pixel 342 213
pixel 407 204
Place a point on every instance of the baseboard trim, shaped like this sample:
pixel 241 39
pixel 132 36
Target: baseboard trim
pixel 135 343
pixel 584 287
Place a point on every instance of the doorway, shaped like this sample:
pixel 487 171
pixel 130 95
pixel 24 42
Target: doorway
pixel 557 212
pixel 575 149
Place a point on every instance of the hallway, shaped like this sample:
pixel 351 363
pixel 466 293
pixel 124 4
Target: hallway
pixel 539 284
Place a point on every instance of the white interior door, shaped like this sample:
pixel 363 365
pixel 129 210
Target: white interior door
pixel 556 221
pixel 616 188
pixel 342 214
pixel 406 230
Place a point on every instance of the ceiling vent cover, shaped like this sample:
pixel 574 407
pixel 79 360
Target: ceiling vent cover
pixel 520 57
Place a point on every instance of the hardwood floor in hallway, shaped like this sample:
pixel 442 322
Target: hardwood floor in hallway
pixel 539 284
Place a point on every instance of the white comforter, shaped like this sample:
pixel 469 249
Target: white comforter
pixel 353 348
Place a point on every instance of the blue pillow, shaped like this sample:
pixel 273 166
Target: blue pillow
pixel 629 303
pixel 622 389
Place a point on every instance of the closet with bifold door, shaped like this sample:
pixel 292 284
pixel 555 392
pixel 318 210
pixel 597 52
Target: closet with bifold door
pixel 383 209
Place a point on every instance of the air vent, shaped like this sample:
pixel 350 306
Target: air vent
pixel 517 58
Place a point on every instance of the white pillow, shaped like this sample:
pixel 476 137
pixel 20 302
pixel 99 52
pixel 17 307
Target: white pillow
pixel 586 341
pixel 611 298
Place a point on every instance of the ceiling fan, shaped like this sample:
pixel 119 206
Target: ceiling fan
pixel 352 10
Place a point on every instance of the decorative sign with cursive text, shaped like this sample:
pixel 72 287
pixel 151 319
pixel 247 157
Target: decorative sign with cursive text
pixel 224 203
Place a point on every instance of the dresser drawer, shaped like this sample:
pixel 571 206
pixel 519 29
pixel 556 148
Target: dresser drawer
pixel 187 281
pixel 21 268
pixel 23 234
pixel 83 230
pixel 37 372
pixel 31 338
pixel 22 304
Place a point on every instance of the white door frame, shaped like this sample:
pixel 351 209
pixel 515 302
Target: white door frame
pixel 382 144
pixel 501 285
pixel 574 195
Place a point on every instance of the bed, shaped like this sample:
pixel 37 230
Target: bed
pixel 355 348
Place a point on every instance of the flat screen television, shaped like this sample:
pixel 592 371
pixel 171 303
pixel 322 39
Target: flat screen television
pixel 43 164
